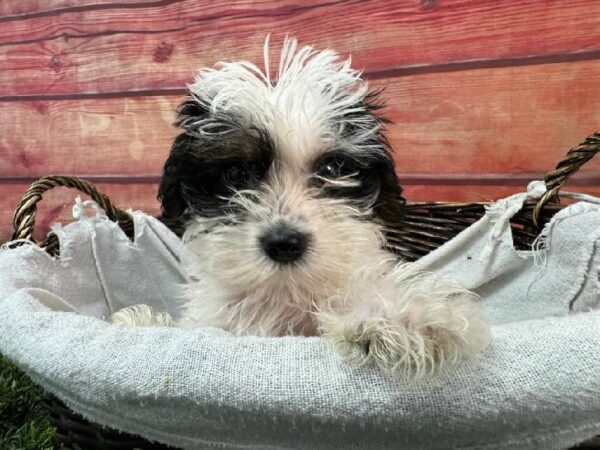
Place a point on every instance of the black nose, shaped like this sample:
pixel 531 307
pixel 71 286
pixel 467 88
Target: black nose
pixel 284 244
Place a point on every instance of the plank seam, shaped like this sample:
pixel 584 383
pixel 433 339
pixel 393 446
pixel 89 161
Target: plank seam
pixel 475 64
pixel 395 72
pixel 282 11
pixel 82 8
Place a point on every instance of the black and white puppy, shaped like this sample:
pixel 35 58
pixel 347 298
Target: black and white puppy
pixel 284 185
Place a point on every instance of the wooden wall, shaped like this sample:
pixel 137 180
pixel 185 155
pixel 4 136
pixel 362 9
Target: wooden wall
pixel 484 94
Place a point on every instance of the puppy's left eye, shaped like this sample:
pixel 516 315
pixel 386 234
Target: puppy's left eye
pixel 333 167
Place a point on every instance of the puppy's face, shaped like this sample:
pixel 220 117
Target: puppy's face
pixel 283 184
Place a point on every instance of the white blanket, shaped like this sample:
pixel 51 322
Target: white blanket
pixel 537 386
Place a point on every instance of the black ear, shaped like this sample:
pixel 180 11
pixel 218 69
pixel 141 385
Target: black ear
pixel 390 205
pixel 169 192
pixel 189 111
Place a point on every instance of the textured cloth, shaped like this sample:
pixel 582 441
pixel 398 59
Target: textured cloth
pixel 522 285
pixel 536 386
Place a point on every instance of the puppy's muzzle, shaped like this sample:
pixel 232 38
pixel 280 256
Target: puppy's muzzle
pixel 284 244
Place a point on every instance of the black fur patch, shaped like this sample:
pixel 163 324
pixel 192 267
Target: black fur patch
pixel 203 171
pixel 377 186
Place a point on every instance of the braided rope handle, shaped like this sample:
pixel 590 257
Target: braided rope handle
pixel 25 213
pixel 570 164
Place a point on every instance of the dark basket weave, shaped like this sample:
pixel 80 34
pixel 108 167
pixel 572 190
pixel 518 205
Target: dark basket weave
pixel 424 228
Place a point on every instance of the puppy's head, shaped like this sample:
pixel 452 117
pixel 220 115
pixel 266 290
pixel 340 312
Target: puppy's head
pixel 282 181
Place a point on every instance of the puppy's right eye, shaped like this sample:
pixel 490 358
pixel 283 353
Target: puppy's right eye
pixel 331 169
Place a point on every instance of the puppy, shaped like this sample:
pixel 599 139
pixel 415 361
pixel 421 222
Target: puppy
pixel 283 186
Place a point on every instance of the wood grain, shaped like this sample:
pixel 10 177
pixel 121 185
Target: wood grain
pixel 18 9
pixel 112 50
pixel 79 18
pixel 499 121
pixel 483 94
pixel 509 120
pixel 105 136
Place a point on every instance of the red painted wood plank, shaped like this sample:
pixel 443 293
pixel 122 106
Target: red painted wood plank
pixel 114 51
pixel 20 8
pixel 112 136
pixel 106 17
pixel 507 120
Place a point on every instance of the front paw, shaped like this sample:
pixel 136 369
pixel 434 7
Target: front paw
pixel 414 338
pixel 141 316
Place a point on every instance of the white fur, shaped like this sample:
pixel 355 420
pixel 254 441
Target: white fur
pixel 141 316
pixel 347 288
pixel 413 323
pixel 313 91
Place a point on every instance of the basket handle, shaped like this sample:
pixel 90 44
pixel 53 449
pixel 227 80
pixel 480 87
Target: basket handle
pixel 24 217
pixel 570 164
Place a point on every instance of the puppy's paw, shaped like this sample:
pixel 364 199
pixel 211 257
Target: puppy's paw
pixel 411 336
pixel 141 316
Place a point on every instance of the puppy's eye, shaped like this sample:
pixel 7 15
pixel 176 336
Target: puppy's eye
pixel 331 168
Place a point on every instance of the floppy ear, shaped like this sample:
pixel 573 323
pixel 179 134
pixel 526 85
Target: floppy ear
pixel 390 205
pixel 169 192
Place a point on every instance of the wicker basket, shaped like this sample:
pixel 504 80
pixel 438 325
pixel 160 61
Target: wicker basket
pixel 424 228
